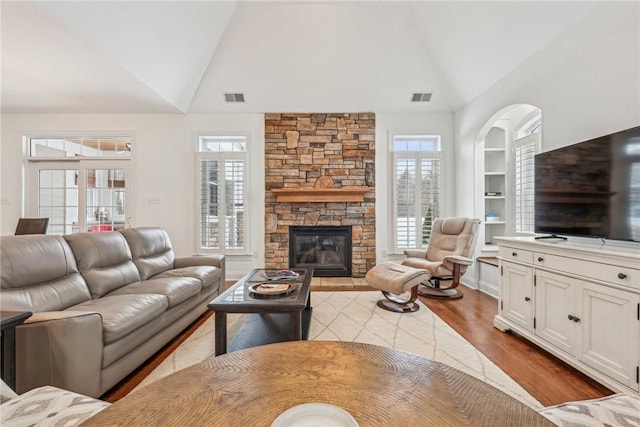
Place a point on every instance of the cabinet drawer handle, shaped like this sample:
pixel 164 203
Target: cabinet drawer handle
pixel 527 299
pixel 576 319
pixel 514 253
pixel 571 317
pixel 622 276
pixel 540 259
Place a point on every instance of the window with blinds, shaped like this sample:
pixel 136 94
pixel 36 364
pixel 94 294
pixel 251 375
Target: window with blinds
pixel 223 168
pixel 525 150
pixel 416 189
pixel 634 205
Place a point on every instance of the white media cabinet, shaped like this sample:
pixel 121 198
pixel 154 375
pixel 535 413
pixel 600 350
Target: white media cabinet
pixel 578 301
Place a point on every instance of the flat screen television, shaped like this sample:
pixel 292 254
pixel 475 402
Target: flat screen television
pixel 590 189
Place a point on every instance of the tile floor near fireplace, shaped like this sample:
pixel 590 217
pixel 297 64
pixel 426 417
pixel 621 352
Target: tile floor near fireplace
pixel 339 284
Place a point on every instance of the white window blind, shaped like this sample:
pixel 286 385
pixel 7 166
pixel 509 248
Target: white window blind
pixel 416 189
pixel 525 150
pixel 633 157
pixel 223 168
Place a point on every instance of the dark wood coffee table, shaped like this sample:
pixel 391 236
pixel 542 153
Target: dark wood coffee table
pixel 271 318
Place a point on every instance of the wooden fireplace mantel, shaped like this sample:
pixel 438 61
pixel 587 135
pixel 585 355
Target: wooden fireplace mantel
pixel 307 194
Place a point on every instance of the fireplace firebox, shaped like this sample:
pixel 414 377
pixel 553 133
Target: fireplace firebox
pixel 326 249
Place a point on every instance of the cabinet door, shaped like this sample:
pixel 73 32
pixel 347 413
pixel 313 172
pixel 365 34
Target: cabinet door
pixel 610 332
pixel 556 310
pixel 517 294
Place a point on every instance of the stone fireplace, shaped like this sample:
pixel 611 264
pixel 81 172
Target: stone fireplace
pixel 320 171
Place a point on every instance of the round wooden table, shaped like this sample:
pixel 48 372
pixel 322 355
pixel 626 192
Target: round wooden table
pixel 378 386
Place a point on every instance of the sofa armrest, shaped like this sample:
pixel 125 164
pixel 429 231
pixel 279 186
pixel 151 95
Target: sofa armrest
pixel 416 253
pixel 55 315
pixel 215 260
pixel 63 349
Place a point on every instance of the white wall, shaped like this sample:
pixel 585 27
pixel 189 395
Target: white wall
pixel 163 167
pixel 586 83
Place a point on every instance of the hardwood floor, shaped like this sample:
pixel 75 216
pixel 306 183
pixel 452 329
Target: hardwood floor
pixel 545 377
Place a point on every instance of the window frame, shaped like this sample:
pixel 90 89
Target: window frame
pixel 32 184
pixel 531 140
pixel 222 157
pixel 527 133
pixel 418 156
pixel 33 164
pixel 84 136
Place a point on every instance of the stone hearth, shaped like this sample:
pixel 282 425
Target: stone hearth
pixel 299 150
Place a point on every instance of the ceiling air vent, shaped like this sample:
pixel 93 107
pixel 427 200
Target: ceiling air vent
pixel 421 97
pixel 234 97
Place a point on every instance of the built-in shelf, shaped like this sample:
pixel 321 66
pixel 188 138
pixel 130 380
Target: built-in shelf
pixel 310 195
pixel 495 190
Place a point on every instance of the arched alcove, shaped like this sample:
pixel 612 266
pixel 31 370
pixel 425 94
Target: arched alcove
pixel 500 179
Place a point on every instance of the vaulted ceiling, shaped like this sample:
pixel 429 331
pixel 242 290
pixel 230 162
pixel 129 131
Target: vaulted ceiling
pixel 182 56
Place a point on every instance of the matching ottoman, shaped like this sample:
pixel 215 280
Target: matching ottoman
pixel 394 279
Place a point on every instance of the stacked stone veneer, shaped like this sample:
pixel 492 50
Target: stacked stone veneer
pixel 299 149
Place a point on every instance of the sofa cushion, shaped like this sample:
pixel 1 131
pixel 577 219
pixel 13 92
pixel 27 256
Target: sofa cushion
pixel 104 260
pixel 207 275
pixel 176 289
pixel 39 273
pixel 123 314
pixel 49 406
pixel 151 250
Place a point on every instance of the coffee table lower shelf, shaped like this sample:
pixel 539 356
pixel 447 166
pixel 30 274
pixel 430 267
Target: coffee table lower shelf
pixel 267 328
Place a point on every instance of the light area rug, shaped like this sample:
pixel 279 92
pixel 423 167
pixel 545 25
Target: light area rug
pixel 354 316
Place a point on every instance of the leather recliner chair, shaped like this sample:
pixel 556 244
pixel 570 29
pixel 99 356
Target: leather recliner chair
pixel 447 256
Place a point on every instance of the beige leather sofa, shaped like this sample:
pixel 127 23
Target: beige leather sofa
pixel 103 303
